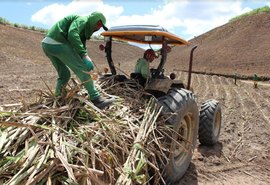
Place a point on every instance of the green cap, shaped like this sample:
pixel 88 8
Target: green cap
pixel 100 17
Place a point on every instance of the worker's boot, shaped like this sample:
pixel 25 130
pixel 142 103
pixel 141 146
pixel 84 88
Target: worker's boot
pixel 102 102
pixel 62 92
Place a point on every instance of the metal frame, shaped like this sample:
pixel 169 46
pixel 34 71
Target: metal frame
pixel 114 32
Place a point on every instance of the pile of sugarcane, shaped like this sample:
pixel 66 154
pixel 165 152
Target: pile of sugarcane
pixel 67 140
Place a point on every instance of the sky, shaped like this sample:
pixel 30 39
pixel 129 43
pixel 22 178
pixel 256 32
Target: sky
pixel 185 18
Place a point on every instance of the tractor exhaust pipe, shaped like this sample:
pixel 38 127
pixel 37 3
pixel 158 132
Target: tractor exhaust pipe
pixel 190 66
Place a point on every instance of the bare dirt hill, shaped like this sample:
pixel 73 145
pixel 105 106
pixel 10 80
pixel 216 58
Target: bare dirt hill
pixel 242 155
pixel 241 46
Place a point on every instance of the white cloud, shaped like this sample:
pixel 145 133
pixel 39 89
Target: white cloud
pixel 192 17
pixel 197 17
pixel 186 17
pixel 209 15
pixel 54 12
pixel 165 15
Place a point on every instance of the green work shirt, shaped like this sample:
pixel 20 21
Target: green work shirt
pixel 255 77
pixel 75 30
pixel 142 67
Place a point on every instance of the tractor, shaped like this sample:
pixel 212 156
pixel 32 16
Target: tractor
pixel 188 121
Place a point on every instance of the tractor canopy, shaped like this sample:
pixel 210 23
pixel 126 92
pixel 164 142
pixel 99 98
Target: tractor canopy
pixel 144 34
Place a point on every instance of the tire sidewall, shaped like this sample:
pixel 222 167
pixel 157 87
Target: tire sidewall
pixel 207 135
pixel 174 172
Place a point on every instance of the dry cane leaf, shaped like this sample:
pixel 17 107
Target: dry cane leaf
pixel 66 165
pixel 94 75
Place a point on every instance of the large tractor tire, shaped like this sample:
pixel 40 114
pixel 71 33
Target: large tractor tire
pixel 185 122
pixel 210 122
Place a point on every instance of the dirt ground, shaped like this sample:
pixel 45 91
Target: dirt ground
pixel 242 154
pixel 241 157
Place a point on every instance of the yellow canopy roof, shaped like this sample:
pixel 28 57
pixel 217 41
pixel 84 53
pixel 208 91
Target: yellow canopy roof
pixel 137 33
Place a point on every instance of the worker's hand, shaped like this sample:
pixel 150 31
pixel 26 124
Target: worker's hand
pixel 87 60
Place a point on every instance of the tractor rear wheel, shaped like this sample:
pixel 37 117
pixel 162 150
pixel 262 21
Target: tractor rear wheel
pixel 210 122
pixel 184 120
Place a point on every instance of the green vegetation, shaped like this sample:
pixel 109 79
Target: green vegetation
pixel 6 22
pixel 253 12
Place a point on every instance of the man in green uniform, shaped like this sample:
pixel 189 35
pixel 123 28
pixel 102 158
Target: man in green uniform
pixel 142 66
pixel 255 79
pixel 65 46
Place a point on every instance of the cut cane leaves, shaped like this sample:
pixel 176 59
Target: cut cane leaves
pixel 54 141
pixel 94 75
pixel 67 167
pixel 2 139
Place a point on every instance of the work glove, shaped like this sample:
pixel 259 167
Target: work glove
pixel 90 67
pixel 88 62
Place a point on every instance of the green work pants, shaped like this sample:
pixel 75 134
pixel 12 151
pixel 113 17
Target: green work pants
pixel 63 57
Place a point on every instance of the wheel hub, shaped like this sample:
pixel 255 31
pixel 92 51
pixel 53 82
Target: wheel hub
pixel 217 123
pixel 183 139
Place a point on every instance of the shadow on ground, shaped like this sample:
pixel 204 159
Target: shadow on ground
pixel 208 151
pixel 191 176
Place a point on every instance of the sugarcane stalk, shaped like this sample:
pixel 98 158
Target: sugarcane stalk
pixel 27 164
pixel 49 168
pixel 95 179
pixel 112 143
pixel 21 176
pixel 9 141
pixel 137 159
pixel 67 167
pixel 3 139
pixel 19 141
pixel 41 161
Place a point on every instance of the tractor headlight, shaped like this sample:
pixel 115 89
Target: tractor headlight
pixel 148 38
pixel 107 39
